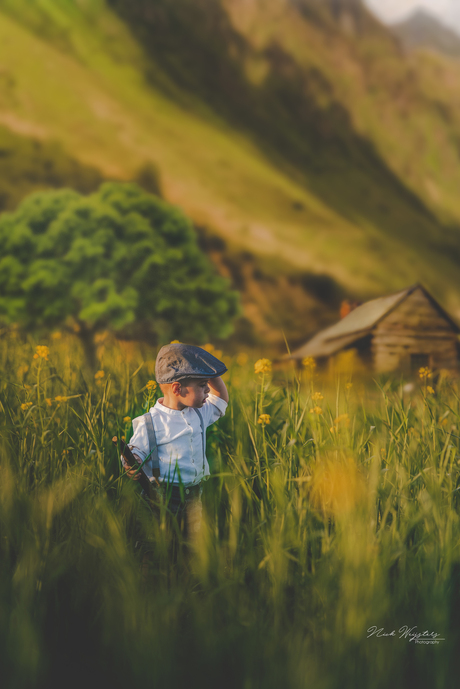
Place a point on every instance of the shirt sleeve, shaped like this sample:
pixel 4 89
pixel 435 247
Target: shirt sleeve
pixel 139 443
pixel 213 409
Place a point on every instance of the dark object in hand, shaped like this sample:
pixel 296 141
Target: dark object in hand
pixel 134 464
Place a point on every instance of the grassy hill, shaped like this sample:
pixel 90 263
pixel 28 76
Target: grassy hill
pixel 296 130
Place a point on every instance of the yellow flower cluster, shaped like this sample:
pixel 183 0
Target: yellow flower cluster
pixel 127 419
pixel 49 401
pixel 151 386
pixel 430 390
pixel 99 375
pixel 343 420
pixel 26 406
pixel 309 363
pixel 263 366
pixel 56 335
pixel 42 352
pixel 60 398
pixel 317 396
pixel 425 373
pixel 316 410
pixel 264 419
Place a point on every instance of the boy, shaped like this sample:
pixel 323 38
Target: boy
pixel 195 396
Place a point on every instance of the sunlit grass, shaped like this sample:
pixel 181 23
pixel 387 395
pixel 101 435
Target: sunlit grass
pixel 317 526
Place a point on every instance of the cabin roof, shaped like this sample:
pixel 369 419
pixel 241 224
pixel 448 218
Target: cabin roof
pixel 359 323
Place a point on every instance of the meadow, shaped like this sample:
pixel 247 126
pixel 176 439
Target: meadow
pixel 332 508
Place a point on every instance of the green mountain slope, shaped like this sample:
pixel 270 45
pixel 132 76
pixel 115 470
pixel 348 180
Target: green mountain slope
pixel 295 129
pixel 28 165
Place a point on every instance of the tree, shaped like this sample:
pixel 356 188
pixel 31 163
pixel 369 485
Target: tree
pixel 118 259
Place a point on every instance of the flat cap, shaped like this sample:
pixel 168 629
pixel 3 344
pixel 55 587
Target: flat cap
pixel 178 361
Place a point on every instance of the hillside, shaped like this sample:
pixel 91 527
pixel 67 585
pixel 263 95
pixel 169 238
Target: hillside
pixel 295 130
pixel 422 30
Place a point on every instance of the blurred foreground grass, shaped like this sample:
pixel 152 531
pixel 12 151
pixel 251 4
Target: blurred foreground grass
pixel 333 507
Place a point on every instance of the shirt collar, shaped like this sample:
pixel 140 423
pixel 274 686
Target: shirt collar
pixel 167 410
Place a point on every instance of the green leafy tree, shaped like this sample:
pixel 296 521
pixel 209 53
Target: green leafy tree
pixel 118 259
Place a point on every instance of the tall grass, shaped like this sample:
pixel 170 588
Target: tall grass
pixel 336 512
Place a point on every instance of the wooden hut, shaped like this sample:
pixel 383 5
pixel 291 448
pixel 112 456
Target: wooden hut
pixel 401 332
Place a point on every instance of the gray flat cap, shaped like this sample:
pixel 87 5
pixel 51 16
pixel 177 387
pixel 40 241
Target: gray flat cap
pixel 178 361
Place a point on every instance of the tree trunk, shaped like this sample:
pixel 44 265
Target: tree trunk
pixel 89 347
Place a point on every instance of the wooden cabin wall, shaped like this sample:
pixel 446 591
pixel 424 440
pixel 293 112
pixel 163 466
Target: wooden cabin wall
pixel 416 326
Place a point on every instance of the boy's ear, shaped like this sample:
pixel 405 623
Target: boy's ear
pixel 176 387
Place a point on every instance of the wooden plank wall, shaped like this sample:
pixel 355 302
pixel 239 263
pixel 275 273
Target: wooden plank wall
pixel 415 327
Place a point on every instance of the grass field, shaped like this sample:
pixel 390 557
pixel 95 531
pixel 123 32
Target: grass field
pixel 337 513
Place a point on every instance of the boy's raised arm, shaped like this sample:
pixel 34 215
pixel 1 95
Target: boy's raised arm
pixel 218 388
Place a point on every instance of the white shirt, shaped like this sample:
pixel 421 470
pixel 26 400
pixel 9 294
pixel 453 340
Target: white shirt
pixel 179 440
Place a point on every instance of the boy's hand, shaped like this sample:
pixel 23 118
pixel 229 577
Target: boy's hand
pixel 218 388
pixel 134 473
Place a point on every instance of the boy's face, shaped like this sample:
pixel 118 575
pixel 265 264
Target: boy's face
pixel 194 393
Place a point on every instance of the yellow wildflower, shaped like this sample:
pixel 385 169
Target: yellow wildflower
pixel 430 390
pixel 337 487
pixel 99 375
pixel 263 366
pixel 151 386
pixel 49 401
pixel 41 352
pixel 317 396
pixel 425 373
pixel 343 418
pixel 316 410
pixel 208 347
pixel 174 342
pixel 127 419
pixel 56 336
pixel 242 359
pixel 264 419
pixel 348 386
pixel 60 398
pixel 309 363
pixel 26 406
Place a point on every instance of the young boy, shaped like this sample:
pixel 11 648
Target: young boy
pixel 195 396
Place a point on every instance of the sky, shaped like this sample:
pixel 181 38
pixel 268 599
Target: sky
pixel 393 10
